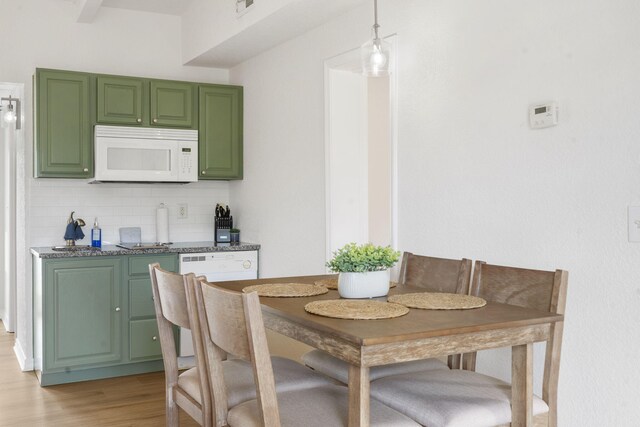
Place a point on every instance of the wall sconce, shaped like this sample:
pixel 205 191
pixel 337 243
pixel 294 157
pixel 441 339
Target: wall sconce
pixel 12 114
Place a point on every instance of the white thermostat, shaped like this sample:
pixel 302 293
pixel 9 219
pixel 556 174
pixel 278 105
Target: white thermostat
pixel 543 115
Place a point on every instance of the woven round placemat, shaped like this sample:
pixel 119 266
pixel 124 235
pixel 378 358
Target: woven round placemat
pixel 356 309
pixel 286 290
pixel 438 301
pixel 333 283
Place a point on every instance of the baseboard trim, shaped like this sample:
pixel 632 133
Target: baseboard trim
pixel 26 363
pixel 77 374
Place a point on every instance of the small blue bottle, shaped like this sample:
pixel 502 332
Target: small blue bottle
pixel 96 235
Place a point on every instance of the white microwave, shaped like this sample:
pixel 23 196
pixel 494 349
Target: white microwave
pixel 145 154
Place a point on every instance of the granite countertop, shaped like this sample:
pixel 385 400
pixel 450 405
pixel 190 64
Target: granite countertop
pixel 45 252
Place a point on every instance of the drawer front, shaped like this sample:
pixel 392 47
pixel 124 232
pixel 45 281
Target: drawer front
pixel 144 340
pixel 141 298
pixel 139 264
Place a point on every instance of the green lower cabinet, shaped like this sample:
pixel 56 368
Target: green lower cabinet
pixel 98 317
pixel 144 341
pixel 83 314
pixel 140 298
pixel 220 132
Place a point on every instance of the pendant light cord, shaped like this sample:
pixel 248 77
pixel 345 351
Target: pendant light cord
pixel 375 18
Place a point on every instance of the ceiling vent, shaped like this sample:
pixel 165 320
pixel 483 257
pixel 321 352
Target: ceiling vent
pixel 242 6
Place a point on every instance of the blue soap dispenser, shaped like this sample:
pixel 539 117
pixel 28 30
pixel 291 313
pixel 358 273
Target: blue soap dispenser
pixel 96 235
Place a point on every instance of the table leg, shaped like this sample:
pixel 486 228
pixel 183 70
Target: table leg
pixel 358 396
pixel 522 385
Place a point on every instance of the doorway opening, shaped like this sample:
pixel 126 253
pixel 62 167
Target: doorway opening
pixel 360 154
pixel 11 134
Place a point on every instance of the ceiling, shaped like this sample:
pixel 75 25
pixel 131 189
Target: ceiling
pixel 88 9
pixel 238 44
pixel 168 7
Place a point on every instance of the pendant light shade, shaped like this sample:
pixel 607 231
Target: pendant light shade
pixel 375 52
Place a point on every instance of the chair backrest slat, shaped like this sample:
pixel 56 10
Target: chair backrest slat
pixel 435 274
pixel 515 286
pixel 227 325
pixel 173 299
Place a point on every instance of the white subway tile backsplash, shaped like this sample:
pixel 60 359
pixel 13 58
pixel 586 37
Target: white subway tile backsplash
pixel 122 205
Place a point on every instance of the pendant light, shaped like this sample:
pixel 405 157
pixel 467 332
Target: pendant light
pixel 375 52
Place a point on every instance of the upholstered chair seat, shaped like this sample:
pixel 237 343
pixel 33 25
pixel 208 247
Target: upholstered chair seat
pixel 337 369
pixel 453 398
pixel 322 406
pixel 238 377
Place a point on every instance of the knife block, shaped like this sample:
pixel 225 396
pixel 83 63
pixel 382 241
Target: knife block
pixel 223 228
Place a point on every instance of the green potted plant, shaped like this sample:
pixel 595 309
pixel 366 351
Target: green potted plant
pixel 234 234
pixel 364 269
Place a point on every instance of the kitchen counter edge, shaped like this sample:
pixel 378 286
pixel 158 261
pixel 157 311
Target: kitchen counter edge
pixel 45 252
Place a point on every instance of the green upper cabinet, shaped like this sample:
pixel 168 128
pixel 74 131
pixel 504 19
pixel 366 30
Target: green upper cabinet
pixel 172 103
pixel 120 100
pixel 64 141
pixel 142 102
pixel 69 104
pixel 220 132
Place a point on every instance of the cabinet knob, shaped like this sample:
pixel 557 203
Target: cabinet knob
pixel 155 338
pixel 117 308
pixel 204 172
pixel 139 120
pixel 155 120
pixel 85 170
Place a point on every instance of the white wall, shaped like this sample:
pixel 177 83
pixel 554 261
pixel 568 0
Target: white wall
pixel 281 198
pixel 43 34
pixel 474 180
pixel 118 205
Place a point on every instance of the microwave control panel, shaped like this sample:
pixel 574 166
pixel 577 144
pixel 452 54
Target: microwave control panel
pixel 187 154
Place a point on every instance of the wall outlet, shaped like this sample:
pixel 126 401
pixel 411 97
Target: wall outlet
pixel 183 211
pixel 634 223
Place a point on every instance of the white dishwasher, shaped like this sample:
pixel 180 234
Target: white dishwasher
pixel 217 267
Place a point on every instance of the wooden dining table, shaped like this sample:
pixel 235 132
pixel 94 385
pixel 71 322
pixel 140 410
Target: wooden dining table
pixel 420 334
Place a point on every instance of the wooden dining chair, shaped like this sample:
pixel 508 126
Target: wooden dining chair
pixel 433 275
pixel 232 324
pixel 188 390
pixel 238 374
pixel 466 398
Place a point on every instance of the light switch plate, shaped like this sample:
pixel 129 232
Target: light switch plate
pixel 634 223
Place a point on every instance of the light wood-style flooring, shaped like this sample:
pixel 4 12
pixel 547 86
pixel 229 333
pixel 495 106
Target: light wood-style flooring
pixel 136 400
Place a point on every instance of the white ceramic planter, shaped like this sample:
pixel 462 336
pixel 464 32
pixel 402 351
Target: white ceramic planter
pixel 369 284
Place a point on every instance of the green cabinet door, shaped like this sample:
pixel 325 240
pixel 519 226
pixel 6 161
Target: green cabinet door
pixel 82 313
pixel 121 100
pixel 64 142
pixel 220 132
pixel 144 340
pixel 172 103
